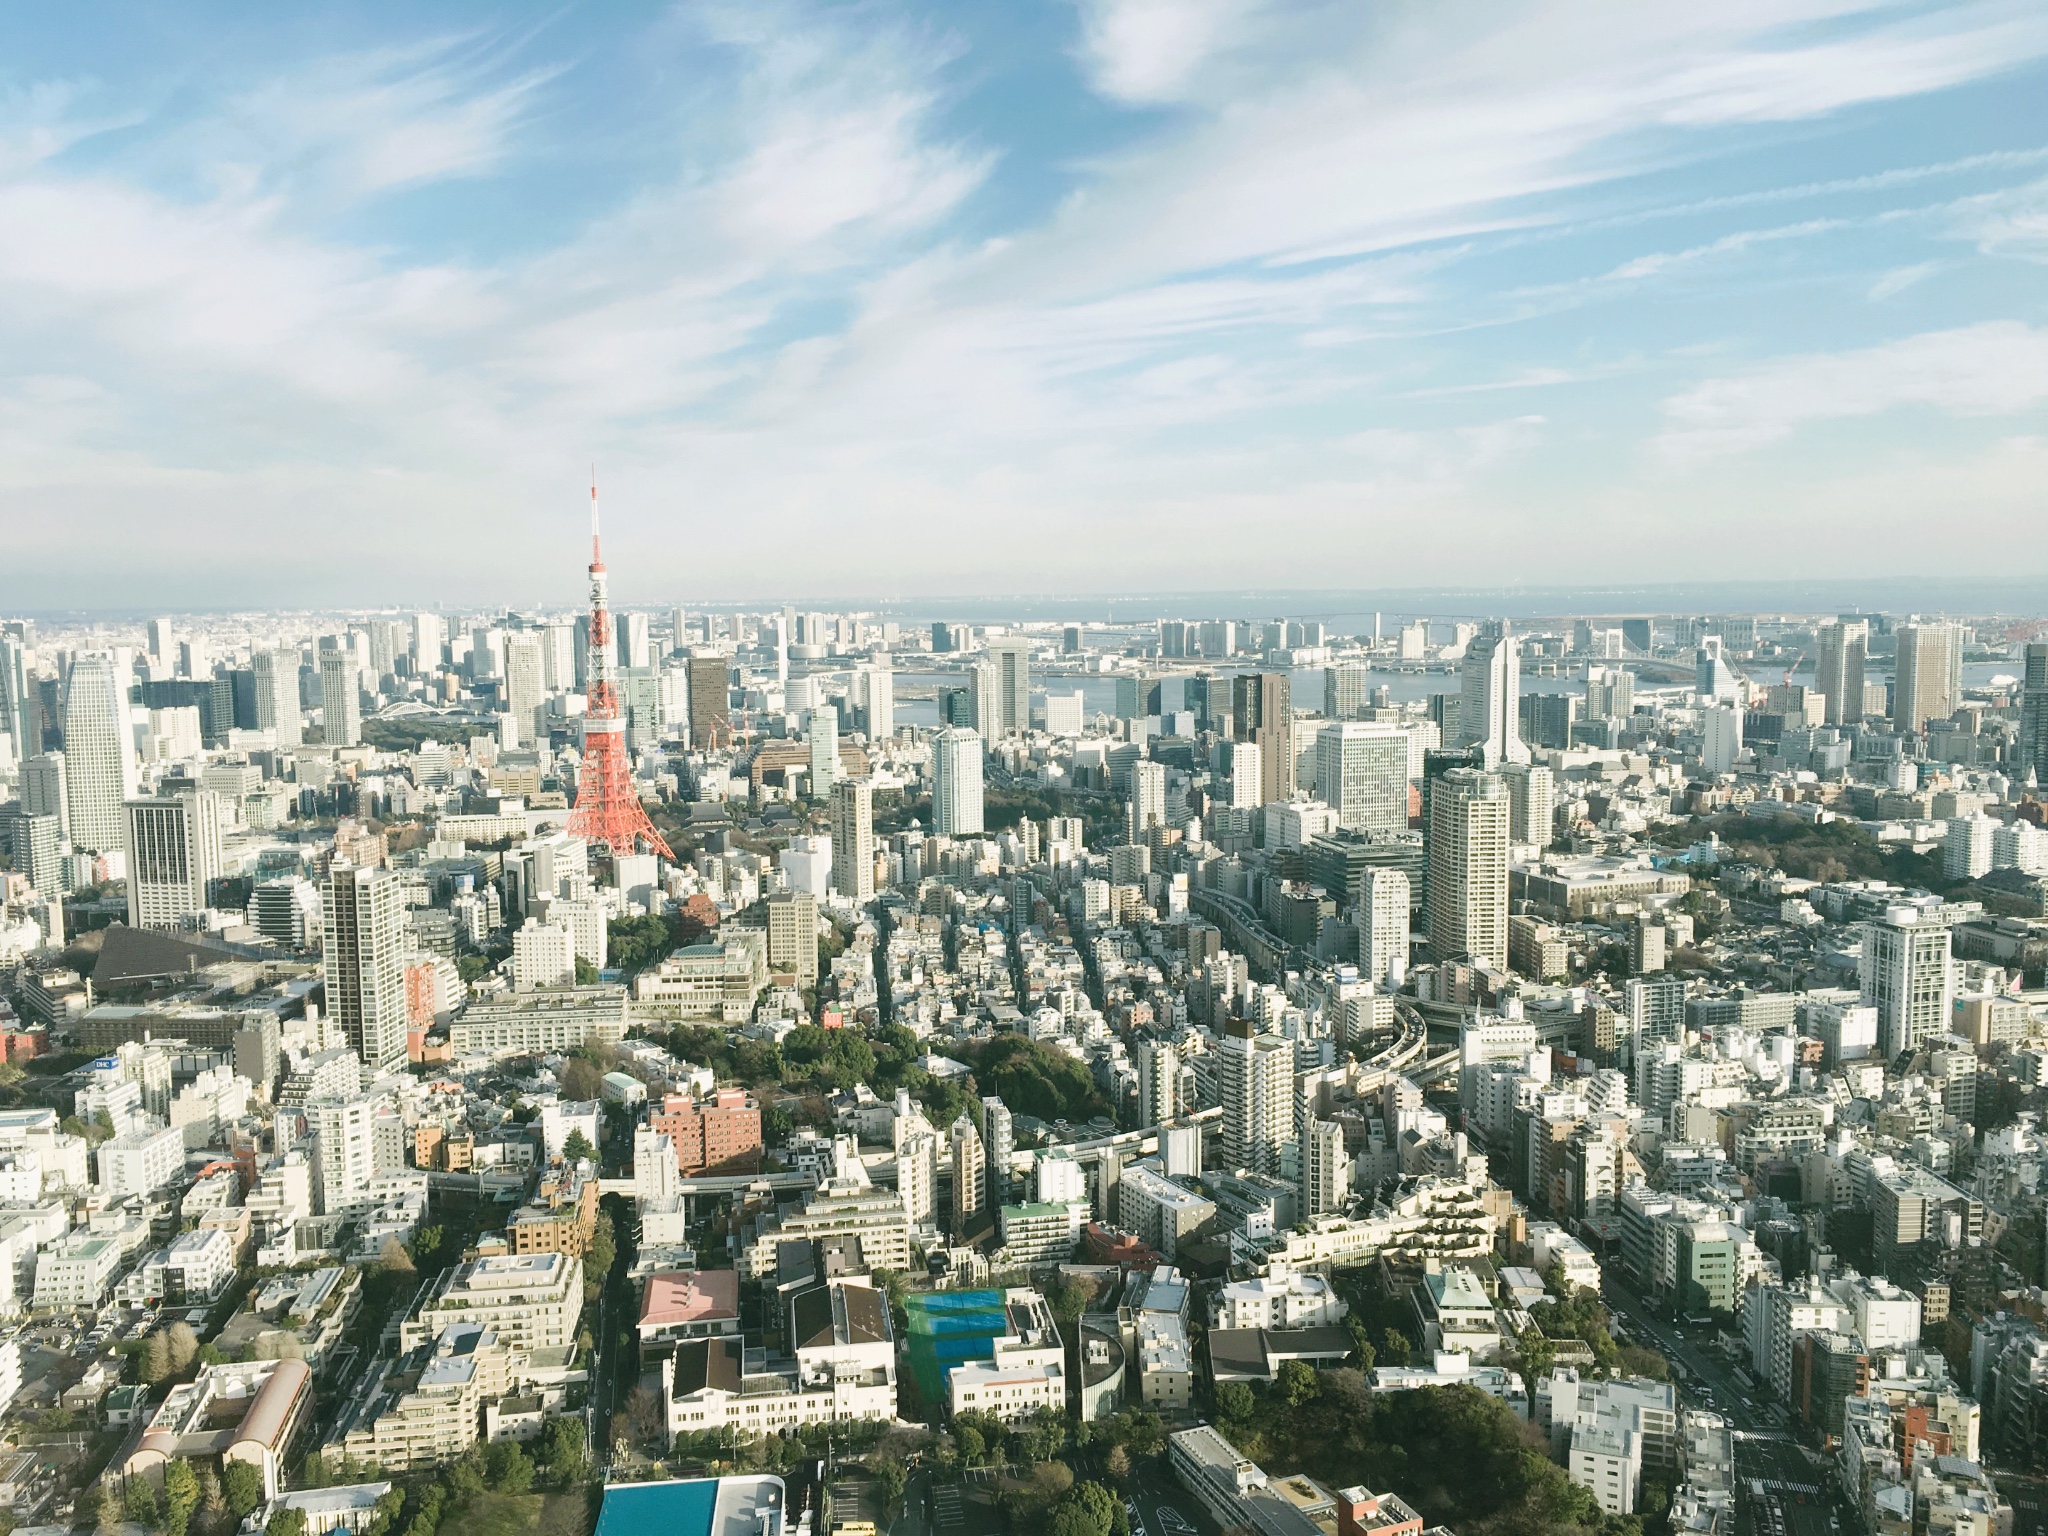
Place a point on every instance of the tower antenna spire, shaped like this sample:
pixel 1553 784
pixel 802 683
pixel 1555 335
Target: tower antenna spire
pixel 596 558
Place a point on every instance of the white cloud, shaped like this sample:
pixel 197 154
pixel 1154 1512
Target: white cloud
pixel 1148 51
pixel 1995 369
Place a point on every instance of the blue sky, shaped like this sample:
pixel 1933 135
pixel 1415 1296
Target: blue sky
pixel 334 304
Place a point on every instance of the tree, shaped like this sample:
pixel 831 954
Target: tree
pixel 1234 1403
pixel 181 1496
pixel 1297 1382
pixel 599 1257
pixel 1394 1347
pixel 577 1148
pixel 108 1508
pixel 213 1508
pixel 183 1344
pixel 154 1361
pixel 587 975
pixel 242 1486
pixel 562 1450
pixel 142 1504
pixel 644 1412
pixel 970 1442
pixel 394 1260
pixel 580 1080
pixel 509 1468
pixel 1117 1463
pixel 889 1475
pixel 287 1522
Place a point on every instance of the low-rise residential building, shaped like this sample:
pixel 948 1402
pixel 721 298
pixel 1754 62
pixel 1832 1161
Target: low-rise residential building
pixel 1280 1298
pixel 76 1271
pixel 530 1300
pixel 430 1409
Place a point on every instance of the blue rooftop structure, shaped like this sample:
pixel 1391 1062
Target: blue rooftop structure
pixel 694 1506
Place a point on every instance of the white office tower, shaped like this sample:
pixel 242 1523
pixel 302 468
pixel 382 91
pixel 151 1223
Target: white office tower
pixel 344 1151
pixel 20 719
pixel 1908 976
pixel 1255 1078
pixel 1383 898
pixel 1928 683
pixel 782 648
pixel 174 854
pixel 1325 1169
pixel 1246 775
pixel 1713 679
pixel 1010 656
pixel 526 683
pixel 853 840
pixel 558 653
pixel 678 631
pixel 824 745
pixel 1158 1068
pixel 163 643
pixel 636 641
pixel 99 752
pixel 1362 774
pixel 43 792
pixel 1148 799
pixel 1468 867
pixel 1346 685
pixel 1838 669
pixel 1490 699
pixel 429 635
pixel 1720 737
pixel 879 685
pixel 341 707
pixel 1532 804
pixel 363 914
pixel 956 783
pixel 277 694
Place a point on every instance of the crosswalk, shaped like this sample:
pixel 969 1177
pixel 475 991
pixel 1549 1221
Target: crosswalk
pixel 948 1513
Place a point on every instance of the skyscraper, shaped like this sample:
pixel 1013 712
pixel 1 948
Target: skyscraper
pixel 174 855
pixel 956 783
pixel 1838 668
pixel 853 840
pixel 20 719
pixel 1158 1068
pixel 1255 1077
pixel 998 1144
pixel 43 790
pixel 1247 775
pixel 1010 655
pixel 277 694
pixel 970 1175
pixel 363 912
pixel 1908 975
pixel 878 681
pixel 1384 897
pixel 429 636
pixel 1344 689
pixel 2033 742
pixel 1490 694
pixel 99 752
pixel 1262 711
pixel 1362 774
pixel 1468 867
pixel 526 688
pixel 1928 682
pixel 710 699
pixel 341 706
pixel 1325 1169
pixel 824 744
pixel 1148 799
pixel 1532 803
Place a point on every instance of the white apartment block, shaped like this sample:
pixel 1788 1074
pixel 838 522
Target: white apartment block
pixel 136 1162
pixel 1281 1298
pixel 530 1300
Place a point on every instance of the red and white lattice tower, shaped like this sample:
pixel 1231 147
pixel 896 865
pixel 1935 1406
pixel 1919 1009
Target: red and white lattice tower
pixel 608 810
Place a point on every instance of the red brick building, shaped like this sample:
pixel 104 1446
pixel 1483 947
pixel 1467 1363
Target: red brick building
pixel 720 1135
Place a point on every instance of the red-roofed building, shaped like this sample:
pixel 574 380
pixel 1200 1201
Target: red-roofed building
pixel 1106 1245
pixel 679 1304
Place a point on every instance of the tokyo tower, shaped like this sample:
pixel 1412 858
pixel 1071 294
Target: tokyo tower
pixel 608 810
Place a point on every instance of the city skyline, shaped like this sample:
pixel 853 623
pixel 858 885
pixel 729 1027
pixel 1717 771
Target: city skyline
pixel 334 310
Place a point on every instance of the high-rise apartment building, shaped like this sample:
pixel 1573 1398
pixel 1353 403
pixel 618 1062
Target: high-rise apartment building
pixel 276 675
pixel 1148 799
pixel 853 840
pixel 43 790
pixel 1325 1169
pixel 1928 681
pixel 363 912
pixel 1532 803
pixel 1262 712
pixel 1468 867
pixel 174 855
pixel 429 641
pixel 970 1175
pixel 823 740
pixel 1908 975
pixel 1247 776
pixel 1255 1079
pixel 1010 703
pixel 878 687
pixel 1345 689
pixel 345 1155
pixel 1384 897
pixel 1838 669
pixel 1362 774
pixel 1158 1068
pixel 998 1145
pixel 99 752
pixel 20 718
pixel 956 783
pixel 341 708
pixel 1490 694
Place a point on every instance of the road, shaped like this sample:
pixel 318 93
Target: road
pixel 1703 1367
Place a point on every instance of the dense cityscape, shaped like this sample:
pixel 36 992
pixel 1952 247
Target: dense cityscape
pixel 1179 1075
